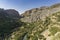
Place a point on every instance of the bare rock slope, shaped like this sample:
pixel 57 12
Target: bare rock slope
pixel 39 13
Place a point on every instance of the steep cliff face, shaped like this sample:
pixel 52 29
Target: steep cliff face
pixel 39 13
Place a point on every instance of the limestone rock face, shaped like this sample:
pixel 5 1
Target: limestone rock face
pixel 39 13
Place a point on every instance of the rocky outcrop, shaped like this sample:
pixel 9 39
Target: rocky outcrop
pixel 39 13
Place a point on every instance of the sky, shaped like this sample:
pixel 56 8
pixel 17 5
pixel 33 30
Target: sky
pixel 23 5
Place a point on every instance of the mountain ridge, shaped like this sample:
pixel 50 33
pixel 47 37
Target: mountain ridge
pixel 39 13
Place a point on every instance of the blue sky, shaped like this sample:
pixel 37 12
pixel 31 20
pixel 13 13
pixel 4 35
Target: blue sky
pixel 23 5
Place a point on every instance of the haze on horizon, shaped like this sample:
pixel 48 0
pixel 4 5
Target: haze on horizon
pixel 23 5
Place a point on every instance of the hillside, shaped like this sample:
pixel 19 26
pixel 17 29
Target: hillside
pixel 39 13
pixel 39 24
pixel 39 30
pixel 8 21
pixel 36 24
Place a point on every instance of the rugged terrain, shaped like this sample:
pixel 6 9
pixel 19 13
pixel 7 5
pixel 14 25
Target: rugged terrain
pixel 36 24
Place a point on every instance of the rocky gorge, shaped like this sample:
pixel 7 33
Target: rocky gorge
pixel 36 24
